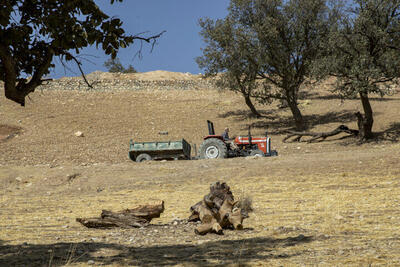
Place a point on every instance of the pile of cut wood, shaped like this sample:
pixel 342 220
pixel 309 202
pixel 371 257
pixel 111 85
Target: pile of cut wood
pixel 218 211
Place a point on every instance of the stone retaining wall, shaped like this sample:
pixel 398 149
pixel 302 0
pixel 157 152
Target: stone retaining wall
pixel 106 85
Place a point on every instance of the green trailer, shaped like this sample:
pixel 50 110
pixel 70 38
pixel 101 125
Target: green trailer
pixel 169 150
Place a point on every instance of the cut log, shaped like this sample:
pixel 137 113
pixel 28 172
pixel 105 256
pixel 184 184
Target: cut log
pixel 319 136
pixel 218 211
pixel 137 217
pixel 236 219
pixel 218 193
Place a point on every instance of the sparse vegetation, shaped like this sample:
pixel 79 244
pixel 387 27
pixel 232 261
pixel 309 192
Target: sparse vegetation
pixel 268 50
pixel 266 40
pixel 114 65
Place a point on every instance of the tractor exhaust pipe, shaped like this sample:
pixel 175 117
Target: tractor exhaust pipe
pixel 210 128
pixel 250 135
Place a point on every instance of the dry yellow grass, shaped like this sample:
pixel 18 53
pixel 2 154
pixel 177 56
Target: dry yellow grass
pixel 347 217
pixel 327 204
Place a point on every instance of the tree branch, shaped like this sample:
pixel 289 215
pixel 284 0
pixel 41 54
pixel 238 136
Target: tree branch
pixel 79 67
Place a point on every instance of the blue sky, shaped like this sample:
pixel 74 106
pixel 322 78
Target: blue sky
pixel 175 50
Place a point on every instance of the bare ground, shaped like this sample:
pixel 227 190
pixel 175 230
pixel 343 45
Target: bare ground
pixel 331 203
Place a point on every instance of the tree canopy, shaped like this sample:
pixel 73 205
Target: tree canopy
pixel 32 33
pixel 272 41
pixel 114 65
pixel 363 53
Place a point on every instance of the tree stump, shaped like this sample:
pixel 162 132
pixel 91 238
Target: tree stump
pixel 218 211
pixel 136 217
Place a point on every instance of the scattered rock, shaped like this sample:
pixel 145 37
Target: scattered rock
pixel 99 189
pixel 79 134
pixel 90 262
pixel 72 177
pixel 252 157
pixel 18 179
pixel 339 217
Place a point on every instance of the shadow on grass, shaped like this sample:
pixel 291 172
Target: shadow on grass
pixel 391 134
pixel 281 124
pixel 243 114
pixel 336 97
pixel 221 252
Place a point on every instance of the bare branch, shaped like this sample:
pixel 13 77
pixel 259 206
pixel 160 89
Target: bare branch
pixel 80 68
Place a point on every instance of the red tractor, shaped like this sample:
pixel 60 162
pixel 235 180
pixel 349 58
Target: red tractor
pixel 214 146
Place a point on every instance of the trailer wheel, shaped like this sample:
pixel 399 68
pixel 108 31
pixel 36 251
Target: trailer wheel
pixel 257 153
pixel 213 148
pixel 143 157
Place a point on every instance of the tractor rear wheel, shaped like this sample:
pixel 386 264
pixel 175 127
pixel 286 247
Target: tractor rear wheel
pixel 213 148
pixel 143 157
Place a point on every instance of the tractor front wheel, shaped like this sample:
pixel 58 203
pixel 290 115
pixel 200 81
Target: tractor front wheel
pixel 213 148
pixel 257 153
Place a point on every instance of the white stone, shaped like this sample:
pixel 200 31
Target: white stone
pixel 79 134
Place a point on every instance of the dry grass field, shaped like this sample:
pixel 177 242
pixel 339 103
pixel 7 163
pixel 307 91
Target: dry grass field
pixel 333 203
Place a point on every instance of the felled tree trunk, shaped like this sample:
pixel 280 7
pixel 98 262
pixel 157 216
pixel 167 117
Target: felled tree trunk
pixel 218 211
pixel 319 136
pixel 137 217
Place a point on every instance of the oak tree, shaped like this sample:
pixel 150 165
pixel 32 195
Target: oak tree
pixel 266 48
pixel 363 53
pixel 32 33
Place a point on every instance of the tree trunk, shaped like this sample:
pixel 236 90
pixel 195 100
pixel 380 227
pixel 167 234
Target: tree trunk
pixel 297 116
pixel 137 217
pixel 251 106
pixel 365 122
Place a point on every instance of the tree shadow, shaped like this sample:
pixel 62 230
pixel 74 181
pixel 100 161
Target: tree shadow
pixel 243 114
pixel 281 125
pixel 391 134
pixel 223 252
pixel 336 97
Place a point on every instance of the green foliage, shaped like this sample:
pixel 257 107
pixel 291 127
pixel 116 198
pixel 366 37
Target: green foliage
pixel 33 32
pixel 114 65
pixel 271 43
pixel 362 52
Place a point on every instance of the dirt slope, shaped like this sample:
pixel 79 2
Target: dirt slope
pixel 331 203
